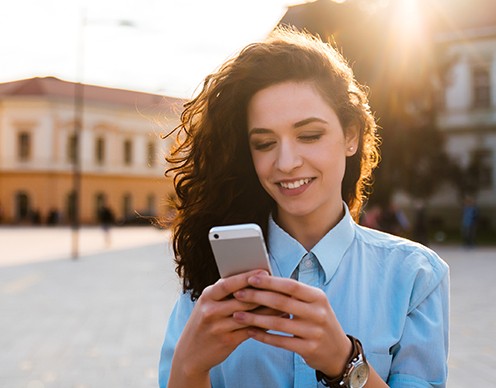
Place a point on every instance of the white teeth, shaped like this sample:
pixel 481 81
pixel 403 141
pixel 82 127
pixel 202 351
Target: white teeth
pixel 295 184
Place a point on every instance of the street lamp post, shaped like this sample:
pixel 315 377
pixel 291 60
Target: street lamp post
pixel 78 130
pixel 76 146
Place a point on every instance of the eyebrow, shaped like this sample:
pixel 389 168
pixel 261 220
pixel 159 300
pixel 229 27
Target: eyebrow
pixel 308 121
pixel 298 124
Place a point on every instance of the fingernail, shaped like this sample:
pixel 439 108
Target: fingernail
pixel 239 316
pixel 240 294
pixel 254 280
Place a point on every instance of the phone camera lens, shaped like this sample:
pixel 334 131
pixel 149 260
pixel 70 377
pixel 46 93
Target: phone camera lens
pixel 216 236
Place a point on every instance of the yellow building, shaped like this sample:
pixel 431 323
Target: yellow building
pixel 121 151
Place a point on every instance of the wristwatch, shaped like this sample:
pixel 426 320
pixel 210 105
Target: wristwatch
pixel 355 374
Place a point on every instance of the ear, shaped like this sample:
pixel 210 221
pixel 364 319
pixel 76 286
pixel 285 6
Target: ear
pixel 351 140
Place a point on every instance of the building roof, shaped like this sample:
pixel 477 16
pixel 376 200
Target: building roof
pixel 55 87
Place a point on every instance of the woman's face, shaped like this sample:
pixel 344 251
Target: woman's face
pixel 299 150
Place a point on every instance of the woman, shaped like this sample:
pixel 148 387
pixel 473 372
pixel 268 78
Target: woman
pixel 282 135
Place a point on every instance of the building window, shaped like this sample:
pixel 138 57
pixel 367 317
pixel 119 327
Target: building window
pixel 151 154
pixel 128 152
pixel 100 150
pixel 24 146
pixel 72 148
pixel 22 206
pixel 70 206
pixel 481 83
pixel 127 206
pixel 481 168
pixel 99 202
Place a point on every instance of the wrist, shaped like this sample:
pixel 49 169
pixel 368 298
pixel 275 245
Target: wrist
pixel 187 369
pixel 355 373
pixel 185 376
pixel 335 369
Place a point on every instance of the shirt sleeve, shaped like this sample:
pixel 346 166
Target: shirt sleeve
pixel 420 357
pixel 177 320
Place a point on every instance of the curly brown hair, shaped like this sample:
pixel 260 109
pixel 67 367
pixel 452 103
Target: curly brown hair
pixel 214 176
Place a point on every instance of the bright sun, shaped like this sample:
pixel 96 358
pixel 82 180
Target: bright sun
pixel 408 20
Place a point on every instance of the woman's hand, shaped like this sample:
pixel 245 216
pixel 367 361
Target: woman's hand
pixel 316 333
pixel 211 333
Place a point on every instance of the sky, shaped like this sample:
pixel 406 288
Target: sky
pixel 157 46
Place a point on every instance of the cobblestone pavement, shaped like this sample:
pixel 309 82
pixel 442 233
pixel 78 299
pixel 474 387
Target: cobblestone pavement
pixel 98 321
pixel 473 316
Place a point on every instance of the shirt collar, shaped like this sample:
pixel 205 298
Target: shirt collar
pixel 286 252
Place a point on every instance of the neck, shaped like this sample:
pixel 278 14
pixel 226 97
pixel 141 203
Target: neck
pixel 309 229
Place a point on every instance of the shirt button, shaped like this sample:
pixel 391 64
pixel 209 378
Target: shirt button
pixel 308 263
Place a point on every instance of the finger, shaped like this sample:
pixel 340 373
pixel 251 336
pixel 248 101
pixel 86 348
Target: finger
pixel 212 311
pixel 262 310
pixel 278 302
pixel 297 328
pixel 290 287
pixel 290 343
pixel 224 287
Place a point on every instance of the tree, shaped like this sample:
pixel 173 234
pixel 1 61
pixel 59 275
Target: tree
pixel 395 57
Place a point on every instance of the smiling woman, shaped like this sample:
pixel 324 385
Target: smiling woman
pixel 300 157
pixel 282 136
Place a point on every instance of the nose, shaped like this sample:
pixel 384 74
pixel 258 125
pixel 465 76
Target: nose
pixel 288 157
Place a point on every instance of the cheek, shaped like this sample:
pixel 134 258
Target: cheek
pixel 261 164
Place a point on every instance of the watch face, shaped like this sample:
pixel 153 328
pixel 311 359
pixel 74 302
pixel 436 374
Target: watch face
pixel 359 375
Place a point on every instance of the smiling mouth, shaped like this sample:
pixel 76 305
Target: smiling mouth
pixel 294 184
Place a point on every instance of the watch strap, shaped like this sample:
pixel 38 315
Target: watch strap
pixel 338 382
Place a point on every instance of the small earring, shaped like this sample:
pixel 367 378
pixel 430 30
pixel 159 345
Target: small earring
pixel 350 148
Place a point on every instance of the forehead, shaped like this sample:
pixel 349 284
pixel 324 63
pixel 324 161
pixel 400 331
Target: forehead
pixel 287 103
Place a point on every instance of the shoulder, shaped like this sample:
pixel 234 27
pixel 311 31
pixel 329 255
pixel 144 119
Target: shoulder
pixel 181 312
pixel 403 262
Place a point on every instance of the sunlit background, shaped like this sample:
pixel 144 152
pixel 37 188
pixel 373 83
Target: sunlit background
pixel 164 46
pixel 429 68
pixel 87 88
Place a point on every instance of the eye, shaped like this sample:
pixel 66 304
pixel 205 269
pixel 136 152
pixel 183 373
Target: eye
pixel 309 138
pixel 263 145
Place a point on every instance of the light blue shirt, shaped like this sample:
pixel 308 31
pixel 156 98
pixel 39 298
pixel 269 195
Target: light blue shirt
pixel 389 292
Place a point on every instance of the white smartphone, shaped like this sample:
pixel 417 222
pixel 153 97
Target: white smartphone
pixel 239 248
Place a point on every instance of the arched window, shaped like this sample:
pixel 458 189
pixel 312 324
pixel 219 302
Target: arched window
pixel 72 148
pixel 100 150
pixel 128 152
pixel 481 86
pixel 24 146
pixel 70 206
pixel 127 206
pixel 99 202
pixel 22 206
pixel 151 154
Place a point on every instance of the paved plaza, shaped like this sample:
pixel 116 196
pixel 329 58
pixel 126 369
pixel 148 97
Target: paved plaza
pixel 98 321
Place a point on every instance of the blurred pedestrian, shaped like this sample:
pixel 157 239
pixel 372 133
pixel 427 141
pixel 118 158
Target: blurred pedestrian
pixel 394 220
pixel 53 217
pixel 371 218
pixel 107 219
pixel 282 135
pixel 470 217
